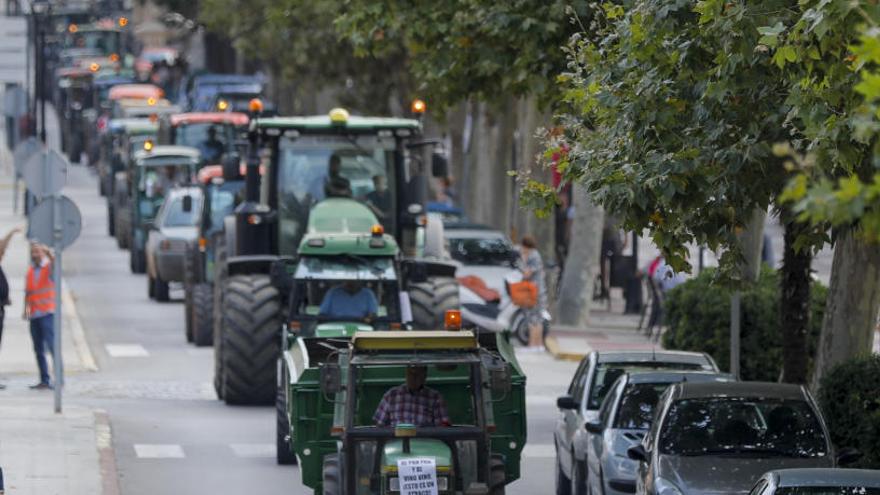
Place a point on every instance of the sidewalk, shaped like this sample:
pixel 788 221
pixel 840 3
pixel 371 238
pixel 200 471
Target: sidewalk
pixel 43 453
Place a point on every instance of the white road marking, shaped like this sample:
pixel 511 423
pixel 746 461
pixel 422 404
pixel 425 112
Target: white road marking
pixel 126 350
pixel 158 451
pixel 539 450
pixel 253 450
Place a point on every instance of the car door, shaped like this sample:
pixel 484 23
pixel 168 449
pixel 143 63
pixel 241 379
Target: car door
pixel 570 419
pixel 596 442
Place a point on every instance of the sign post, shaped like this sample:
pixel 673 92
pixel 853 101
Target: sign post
pixel 55 221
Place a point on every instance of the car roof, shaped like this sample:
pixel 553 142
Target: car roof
pixel 475 234
pixel 827 477
pixel 179 191
pixel 638 377
pixel 234 118
pixel 739 389
pixel 684 357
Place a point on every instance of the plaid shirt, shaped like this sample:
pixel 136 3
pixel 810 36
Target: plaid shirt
pixel 424 407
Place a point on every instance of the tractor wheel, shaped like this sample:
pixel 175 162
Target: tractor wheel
pixel 283 453
pixel 137 261
pixel 121 234
pixel 188 285
pixel 202 314
pixel 161 290
pixel 102 189
pixel 430 300
pixel 151 288
pixel 497 476
pixel 111 222
pixel 217 315
pixel 331 475
pixel 251 346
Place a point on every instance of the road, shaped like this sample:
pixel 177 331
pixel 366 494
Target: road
pixel 170 434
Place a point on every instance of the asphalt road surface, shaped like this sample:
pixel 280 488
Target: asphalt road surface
pixel 170 433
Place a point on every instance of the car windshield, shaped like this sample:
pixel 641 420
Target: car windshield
pixel 827 490
pixel 493 251
pixel 636 409
pixel 742 426
pixel 607 373
pixel 175 216
pixel 363 168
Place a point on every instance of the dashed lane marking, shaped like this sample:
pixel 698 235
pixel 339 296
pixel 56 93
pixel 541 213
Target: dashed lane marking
pixel 539 450
pixel 253 450
pixel 126 350
pixel 158 451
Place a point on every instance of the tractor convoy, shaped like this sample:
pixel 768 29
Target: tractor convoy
pixel 277 229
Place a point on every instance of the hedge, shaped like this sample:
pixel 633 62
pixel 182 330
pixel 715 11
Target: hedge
pixel 849 396
pixel 697 315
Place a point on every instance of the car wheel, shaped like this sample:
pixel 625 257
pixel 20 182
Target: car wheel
pixel 563 484
pixel 578 476
pixel 161 290
pixel 151 288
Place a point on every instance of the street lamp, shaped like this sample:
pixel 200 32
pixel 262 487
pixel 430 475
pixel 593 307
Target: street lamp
pixel 40 9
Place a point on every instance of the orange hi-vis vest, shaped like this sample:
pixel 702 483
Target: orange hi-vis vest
pixel 40 292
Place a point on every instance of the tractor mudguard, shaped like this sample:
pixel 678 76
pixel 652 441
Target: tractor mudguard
pixel 248 265
pixel 420 270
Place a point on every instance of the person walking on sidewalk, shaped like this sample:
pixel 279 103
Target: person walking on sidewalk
pixel 39 308
pixel 4 284
pixel 533 271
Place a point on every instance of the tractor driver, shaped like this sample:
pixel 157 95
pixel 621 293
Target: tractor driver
pixel 211 148
pixel 349 300
pixel 335 185
pixel 412 403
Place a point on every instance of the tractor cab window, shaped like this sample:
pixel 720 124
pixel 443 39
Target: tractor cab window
pixel 210 138
pixel 156 182
pixel 104 42
pixel 312 168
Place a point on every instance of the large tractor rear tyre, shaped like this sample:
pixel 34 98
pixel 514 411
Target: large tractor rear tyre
pixel 188 285
pixel 283 453
pixel 202 314
pixel 217 314
pixel 111 222
pixel 430 300
pixel 251 344
pixel 331 475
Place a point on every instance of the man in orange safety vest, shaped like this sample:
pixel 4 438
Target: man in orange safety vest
pixel 39 308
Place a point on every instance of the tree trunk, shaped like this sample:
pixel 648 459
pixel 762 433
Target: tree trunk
pixel 752 240
pixel 582 264
pixel 853 302
pixel 794 302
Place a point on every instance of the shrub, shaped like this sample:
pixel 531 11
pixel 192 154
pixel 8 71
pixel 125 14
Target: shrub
pixel 849 396
pixel 698 319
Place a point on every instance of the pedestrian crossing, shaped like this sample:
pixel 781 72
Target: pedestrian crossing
pixel 267 451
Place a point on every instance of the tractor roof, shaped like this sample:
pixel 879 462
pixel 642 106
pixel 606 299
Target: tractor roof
pixel 340 226
pixel 234 118
pixel 140 91
pixel 168 155
pixel 134 126
pixel 323 124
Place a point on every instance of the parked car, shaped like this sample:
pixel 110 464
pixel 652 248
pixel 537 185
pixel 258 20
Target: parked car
pixel 818 482
pixel 173 231
pixel 721 437
pixel 593 379
pixel 624 417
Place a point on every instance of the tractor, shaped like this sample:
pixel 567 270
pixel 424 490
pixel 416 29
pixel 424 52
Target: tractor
pixel 379 162
pixel 123 138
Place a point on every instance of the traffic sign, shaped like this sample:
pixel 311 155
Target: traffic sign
pixel 40 227
pixel 23 151
pixel 45 173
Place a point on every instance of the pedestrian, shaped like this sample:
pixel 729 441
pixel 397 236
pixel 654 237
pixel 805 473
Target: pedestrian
pixel 533 271
pixel 4 284
pixel 39 308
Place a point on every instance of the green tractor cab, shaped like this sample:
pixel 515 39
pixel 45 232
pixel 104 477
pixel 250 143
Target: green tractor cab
pixel 381 164
pixel 333 388
pixel 125 137
pixel 154 173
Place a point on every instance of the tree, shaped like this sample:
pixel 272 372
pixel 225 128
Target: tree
pixel 830 56
pixel 674 109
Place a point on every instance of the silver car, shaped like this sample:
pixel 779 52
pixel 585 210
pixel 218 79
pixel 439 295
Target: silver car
pixel 592 381
pixel 624 417
pixel 719 438
pixel 174 229
pixel 819 482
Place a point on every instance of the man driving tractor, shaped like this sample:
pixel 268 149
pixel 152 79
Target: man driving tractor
pixel 412 403
pixel 349 300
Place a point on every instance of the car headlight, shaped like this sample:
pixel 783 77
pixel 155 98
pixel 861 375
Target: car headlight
pixel 442 484
pixel 666 487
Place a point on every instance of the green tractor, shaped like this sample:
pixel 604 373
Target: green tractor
pixel 382 163
pixel 153 174
pixel 334 383
pixel 123 138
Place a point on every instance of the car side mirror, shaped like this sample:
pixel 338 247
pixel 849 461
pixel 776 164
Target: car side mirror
pixel 847 456
pixel 637 453
pixel 331 378
pixel 439 165
pixel 188 203
pixel 150 225
pixel 594 427
pixel 567 402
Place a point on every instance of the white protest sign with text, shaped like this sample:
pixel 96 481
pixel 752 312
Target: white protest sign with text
pixel 417 476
